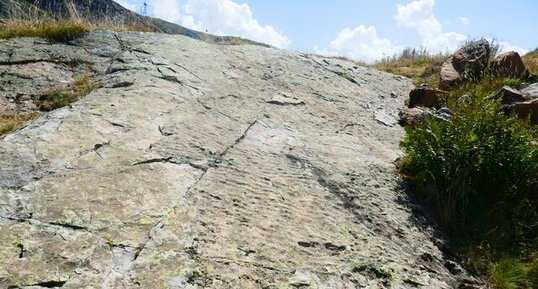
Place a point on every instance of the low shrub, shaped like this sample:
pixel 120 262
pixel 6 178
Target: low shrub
pixel 474 163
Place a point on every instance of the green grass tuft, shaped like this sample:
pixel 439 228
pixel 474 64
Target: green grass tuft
pixel 510 273
pixel 56 31
pixel 56 98
pixel 10 123
pixel 60 97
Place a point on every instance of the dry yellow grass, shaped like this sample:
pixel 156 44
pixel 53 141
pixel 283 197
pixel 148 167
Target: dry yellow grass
pixel 60 97
pixel 9 123
pixel 59 31
pixel 531 61
pixel 418 65
pixel 62 31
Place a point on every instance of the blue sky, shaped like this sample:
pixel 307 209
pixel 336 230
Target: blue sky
pixel 361 29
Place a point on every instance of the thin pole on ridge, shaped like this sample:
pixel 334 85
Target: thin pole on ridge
pixel 144 9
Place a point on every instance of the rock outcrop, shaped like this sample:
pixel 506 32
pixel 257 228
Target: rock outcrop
pixel 198 165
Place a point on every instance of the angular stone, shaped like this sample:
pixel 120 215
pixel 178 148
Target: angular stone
pixel 412 116
pixel 449 76
pixel 525 110
pixel 424 96
pixel 474 55
pixel 443 114
pixel 467 63
pixel 509 64
pixel 510 95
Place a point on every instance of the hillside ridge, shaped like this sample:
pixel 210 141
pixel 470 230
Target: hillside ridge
pixel 107 12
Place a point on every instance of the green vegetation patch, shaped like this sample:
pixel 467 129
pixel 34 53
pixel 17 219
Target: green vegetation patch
pixel 478 174
pixel 56 98
pixel 510 273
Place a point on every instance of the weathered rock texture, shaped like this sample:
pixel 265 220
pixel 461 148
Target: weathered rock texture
pixel 531 91
pixel 509 64
pixel 207 166
pixel 525 110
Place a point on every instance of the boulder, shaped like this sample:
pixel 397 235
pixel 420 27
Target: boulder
pixel 509 64
pixel 467 62
pixel 450 77
pixel 412 116
pixel 524 110
pixel 474 56
pixel 424 96
pixel 509 95
pixel 443 114
pixel 531 91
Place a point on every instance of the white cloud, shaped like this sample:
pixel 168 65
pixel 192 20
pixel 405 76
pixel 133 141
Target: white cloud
pixel 505 47
pixel 419 15
pixel 126 4
pixel 363 43
pixel 167 9
pixel 444 43
pixel 325 51
pixel 220 17
pixel 464 20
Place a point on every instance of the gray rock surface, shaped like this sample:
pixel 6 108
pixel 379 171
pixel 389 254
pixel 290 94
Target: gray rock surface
pixel 206 166
pixel 531 91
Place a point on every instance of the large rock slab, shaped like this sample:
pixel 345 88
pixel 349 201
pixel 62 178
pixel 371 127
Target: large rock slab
pixel 198 165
